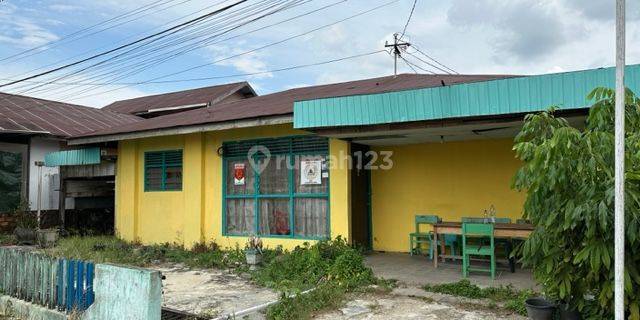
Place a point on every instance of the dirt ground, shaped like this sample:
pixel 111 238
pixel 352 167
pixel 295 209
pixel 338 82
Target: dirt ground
pixel 414 303
pixel 209 292
pixel 213 293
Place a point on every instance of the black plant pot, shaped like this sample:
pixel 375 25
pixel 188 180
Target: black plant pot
pixel 540 309
pixel 567 313
pixel 25 236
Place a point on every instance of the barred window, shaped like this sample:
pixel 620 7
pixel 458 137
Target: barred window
pixel 163 170
pixel 267 195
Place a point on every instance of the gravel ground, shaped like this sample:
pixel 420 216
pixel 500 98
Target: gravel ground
pixel 210 292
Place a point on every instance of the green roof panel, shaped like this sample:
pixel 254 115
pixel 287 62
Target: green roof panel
pixel 72 157
pixel 567 90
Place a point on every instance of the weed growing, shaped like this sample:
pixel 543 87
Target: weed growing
pixel 512 299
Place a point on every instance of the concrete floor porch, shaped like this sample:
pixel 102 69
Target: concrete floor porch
pixel 418 270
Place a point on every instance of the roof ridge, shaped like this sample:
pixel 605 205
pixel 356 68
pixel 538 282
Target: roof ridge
pixel 239 83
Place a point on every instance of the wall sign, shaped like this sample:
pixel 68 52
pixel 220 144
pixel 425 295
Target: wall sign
pixel 238 174
pixel 310 172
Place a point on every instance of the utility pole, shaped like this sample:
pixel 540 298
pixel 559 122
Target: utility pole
pixel 398 46
pixel 619 233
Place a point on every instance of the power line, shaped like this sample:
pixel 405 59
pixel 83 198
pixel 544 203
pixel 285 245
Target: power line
pixel 417 66
pixel 224 76
pixel 409 65
pixel 72 36
pixel 404 30
pixel 252 50
pixel 428 63
pixel 123 56
pixel 434 60
pixel 129 37
pixel 153 62
pixel 128 44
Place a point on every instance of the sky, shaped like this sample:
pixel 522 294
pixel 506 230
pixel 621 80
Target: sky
pixel 470 37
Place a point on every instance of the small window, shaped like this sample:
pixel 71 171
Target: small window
pixel 163 170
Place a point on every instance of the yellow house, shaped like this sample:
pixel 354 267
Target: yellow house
pixel 357 160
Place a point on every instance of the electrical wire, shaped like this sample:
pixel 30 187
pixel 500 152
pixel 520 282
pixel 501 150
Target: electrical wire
pixel 245 52
pixel 404 30
pixel 432 59
pixel 428 63
pixel 77 35
pixel 124 54
pixel 417 66
pixel 177 27
pixel 288 5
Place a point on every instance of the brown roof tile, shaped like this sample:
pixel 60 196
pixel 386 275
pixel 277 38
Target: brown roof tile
pixel 281 103
pixel 22 114
pixel 204 95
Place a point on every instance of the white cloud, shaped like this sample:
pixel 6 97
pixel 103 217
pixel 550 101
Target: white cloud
pixel 65 7
pixel 254 62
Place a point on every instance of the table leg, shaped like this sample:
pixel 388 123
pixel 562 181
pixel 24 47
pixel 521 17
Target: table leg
pixel 435 247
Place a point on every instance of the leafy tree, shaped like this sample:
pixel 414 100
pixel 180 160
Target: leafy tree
pixel 568 174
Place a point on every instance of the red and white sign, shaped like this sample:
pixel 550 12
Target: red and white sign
pixel 238 174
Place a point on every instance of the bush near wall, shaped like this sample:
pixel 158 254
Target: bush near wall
pixel 568 175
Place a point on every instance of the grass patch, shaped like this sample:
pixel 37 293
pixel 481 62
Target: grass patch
pixel 512 299
pixel 332 268
pixel 101 249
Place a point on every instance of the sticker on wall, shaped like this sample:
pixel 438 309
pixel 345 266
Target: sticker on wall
pixel 310 171
pixel 238 174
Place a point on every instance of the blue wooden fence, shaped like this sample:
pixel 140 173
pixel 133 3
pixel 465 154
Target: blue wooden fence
pixel 54 283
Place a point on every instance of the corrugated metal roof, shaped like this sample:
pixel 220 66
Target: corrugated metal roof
pixel 567 90
pixel 281 103
pixel 22 114
pixel 72 157
pixel 212 94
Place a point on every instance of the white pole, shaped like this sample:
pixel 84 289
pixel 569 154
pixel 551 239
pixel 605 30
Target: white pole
pixel 39 198
pixel 619 163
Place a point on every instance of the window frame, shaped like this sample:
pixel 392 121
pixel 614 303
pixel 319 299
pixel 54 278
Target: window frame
pixel 163 170
pixel 291 195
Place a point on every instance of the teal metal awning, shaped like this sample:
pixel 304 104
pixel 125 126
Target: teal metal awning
pixel 72 157
pixel 567 90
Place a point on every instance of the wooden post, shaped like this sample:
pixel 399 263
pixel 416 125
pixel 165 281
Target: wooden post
pixel 62 192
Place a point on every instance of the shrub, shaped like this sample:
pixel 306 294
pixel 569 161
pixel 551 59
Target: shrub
pixel 568 175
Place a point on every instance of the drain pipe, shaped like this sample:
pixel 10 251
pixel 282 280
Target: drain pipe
pixel 254 309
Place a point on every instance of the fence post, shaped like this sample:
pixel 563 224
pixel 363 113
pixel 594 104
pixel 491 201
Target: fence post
pixel 70 284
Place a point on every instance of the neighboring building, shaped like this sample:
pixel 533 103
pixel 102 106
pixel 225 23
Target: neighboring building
pixel 30 128
pixel 175 102
pixel 189 177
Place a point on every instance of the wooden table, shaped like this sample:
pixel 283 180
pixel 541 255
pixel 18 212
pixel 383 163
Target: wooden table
pixel 500 230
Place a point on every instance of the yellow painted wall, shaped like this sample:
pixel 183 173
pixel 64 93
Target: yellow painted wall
pixel 451 180
pixel 195 213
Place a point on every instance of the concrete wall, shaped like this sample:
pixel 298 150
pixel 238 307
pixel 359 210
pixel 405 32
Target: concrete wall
pixel 451 180
pixel 195 213
pixel 125 293
pixel 38 148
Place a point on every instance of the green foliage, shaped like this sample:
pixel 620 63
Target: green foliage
pixel 568 174
pixel 513 299
pixel 7 239
pixel 332 267
pixel 24 217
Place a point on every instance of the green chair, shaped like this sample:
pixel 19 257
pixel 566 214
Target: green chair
pixel 477 230
pixel 473 220
pixel 420 237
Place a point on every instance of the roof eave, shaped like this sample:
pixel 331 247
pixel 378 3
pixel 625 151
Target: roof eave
pixel 217 126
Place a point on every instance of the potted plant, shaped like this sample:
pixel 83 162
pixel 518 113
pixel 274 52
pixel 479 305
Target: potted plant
pixel 26 224
pixel 253 252
pixel 47 237
pixel 540 308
